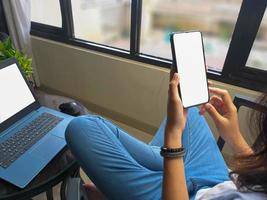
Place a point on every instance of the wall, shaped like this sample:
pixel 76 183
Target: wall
pixel 126 91
pixel 129 92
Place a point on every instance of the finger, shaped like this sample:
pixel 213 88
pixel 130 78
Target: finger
pixel 202 110
pixel 214 100
pixel 210 83
pixel 217 98
pixel 172 72
pixel 173 90
pixel 222 93
pixel 217 101
pixel 213 112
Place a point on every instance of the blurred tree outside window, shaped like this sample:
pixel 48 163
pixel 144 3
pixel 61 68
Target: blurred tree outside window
pixel 215 19
pixel 103 21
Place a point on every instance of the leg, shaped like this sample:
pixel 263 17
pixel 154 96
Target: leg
pixel 92 192
pixel 107 156
pixel 196 137
pixel 204 164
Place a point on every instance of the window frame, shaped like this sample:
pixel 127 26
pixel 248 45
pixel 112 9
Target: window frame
pixel 235 67
pixel 234 71
pixel 3 23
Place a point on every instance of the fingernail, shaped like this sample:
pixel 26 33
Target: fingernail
pixel 207 106
pixel 176 76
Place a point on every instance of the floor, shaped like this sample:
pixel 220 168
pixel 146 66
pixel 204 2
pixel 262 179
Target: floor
pixel 56 189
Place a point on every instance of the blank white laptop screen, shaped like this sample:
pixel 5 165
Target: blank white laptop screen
pixel 15 94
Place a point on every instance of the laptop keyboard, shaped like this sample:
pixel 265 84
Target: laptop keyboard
pixel 25 138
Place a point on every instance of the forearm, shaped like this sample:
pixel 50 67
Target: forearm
pixel 240 146
pixel 174 184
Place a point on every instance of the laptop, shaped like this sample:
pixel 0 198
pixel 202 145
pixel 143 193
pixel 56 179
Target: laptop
pixel 30 135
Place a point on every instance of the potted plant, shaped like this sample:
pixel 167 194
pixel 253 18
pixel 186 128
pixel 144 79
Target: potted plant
pixel 7 51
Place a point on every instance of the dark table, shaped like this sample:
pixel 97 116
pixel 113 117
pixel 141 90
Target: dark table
pixel 58 170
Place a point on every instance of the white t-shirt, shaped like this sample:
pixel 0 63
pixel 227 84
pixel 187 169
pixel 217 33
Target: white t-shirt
pixel 228 191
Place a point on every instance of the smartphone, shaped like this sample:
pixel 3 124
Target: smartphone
pixel 189 60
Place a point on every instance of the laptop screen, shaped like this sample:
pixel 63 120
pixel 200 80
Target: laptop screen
pixel 15 93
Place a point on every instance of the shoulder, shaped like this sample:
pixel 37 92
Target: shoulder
pixel 227 190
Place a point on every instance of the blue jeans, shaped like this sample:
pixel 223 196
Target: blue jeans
pixel 123 167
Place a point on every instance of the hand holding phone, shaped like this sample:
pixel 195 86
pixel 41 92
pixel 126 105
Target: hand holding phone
pixel 189 61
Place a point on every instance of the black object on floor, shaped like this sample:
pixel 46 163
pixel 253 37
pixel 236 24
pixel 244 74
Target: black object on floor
pixel 71 108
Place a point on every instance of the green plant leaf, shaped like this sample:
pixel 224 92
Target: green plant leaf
pixel 2 46
pixel 7 51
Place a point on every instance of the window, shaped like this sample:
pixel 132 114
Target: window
pixel 103 21
pixel 46 12
pixel 140 29
pixel 258 55
pixel 160 18
pixel 3 25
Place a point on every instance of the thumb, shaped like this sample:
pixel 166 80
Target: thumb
pixel 213 112
pixel 173 91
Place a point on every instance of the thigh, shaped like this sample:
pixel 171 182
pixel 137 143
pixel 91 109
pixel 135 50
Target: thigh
pixel 97 145
pixel 204 164
pixel 146 155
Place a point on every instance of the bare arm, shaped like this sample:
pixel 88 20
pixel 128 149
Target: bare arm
pixel 174 184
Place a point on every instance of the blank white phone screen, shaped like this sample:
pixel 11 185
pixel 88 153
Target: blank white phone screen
pixel 190 63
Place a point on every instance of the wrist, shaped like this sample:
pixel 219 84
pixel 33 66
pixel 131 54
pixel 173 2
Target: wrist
pixel 167 152
pixel 241 147
pixel 172 130
pixel 173 139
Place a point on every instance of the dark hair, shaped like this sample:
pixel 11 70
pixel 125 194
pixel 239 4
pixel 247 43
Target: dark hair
pixel 251 170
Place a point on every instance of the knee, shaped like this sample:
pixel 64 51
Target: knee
pixel 75 130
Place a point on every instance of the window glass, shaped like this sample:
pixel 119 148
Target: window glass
pixel 258 55
pixel 215 19
pixel 46 12
pixel 103 21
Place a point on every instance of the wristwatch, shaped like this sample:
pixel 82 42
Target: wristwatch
pixel 172 152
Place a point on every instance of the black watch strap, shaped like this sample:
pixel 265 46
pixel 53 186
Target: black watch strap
pixel 172 152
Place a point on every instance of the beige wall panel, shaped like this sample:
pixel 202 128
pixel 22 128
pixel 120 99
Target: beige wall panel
pixel 126 91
